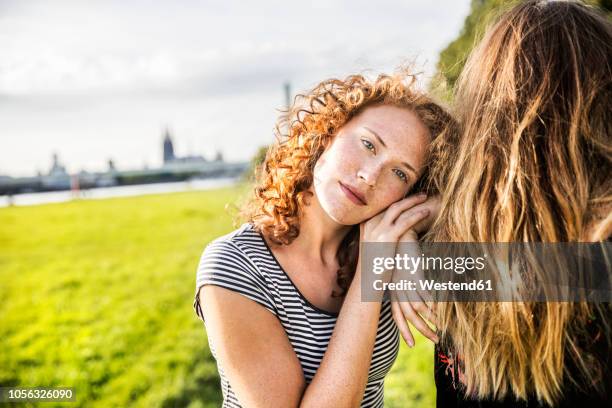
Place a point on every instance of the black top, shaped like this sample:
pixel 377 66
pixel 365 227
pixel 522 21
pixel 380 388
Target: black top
pixel 450 388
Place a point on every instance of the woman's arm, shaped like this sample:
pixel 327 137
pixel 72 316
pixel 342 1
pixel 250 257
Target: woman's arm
pixel 253 349
pixel 416 312
pixel 342 377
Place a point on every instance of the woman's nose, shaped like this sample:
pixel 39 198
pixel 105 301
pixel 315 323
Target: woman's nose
pixel 369 174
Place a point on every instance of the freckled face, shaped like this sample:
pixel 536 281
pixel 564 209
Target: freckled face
pixel 372 162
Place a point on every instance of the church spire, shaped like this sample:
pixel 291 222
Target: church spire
pixel 168 147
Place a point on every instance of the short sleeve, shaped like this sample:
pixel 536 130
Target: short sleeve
pixel 224 264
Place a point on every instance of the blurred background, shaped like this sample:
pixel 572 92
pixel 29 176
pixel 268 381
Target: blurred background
pixel 126 129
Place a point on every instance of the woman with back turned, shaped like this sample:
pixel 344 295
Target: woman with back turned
pixel 532 163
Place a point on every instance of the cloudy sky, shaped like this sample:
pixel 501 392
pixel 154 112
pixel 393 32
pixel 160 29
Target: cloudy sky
pixel 93 80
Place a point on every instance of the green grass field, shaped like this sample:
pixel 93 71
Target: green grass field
pixel 97 295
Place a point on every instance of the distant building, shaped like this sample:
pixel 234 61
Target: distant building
pixel 168 148
pixel 57 178
pixel 109 178
pixel 57 169
pixel 171 160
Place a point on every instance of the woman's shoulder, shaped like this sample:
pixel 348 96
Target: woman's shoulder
pixel 244 242
pixel 245 234
pixel 235 247
pixel 231 262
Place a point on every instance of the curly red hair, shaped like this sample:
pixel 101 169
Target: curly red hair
pixel 305 131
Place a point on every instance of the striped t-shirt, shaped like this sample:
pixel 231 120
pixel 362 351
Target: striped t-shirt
pixel 242 262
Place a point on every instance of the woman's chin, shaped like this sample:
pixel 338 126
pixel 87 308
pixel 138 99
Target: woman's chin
pixel 338 208
pixel 343 217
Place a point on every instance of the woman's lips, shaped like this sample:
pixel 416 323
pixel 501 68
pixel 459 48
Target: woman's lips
pixel 352 195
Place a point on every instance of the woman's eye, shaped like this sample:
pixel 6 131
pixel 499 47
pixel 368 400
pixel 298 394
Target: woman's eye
pixel 401 175
pixel 367 144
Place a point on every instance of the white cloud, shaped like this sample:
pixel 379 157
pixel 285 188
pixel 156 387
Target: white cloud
pixel 111 74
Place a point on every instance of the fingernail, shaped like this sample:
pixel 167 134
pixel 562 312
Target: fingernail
pixel 410 343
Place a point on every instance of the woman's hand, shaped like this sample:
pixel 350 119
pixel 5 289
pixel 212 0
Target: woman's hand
pixel 397 220
pixel 416 311
pixel 402 222
pixel 433 205
pixel 389 226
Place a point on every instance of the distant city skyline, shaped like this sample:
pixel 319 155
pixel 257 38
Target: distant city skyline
pixel 167 153
pixel 57 162
pixel 100 80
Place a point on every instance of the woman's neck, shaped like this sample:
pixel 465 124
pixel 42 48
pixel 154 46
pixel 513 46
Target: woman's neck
pixel 320 236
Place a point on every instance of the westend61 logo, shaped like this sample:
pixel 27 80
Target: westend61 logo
pixel 412 264
pixel 540 272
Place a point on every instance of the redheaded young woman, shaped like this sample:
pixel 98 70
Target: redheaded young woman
pixel 532 163
pixel 280 296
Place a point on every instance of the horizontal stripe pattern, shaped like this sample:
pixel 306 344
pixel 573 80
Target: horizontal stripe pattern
pixel 242 262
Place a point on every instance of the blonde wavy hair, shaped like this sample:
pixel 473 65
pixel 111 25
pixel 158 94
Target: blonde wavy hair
pixel 532 163
pixel 305 131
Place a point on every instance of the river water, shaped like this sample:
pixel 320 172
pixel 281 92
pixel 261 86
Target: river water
pixel 117 191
